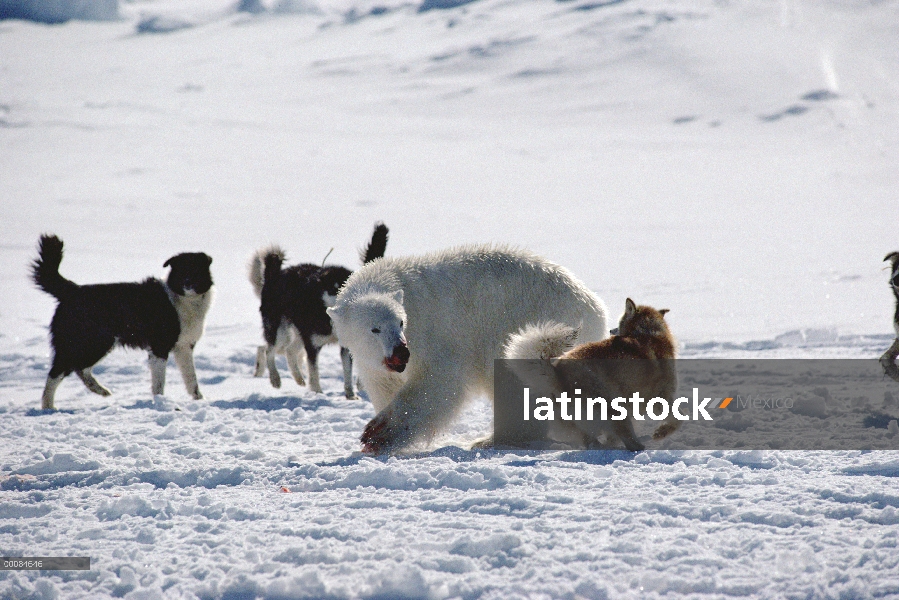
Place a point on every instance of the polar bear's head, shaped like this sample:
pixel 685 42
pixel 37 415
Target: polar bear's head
pixel 371 327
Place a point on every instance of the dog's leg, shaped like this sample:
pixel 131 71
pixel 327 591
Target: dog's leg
pixel 347 359
pixel 260 361
pixel 888 361
pixel 292 353
pixel 50 391
pixel 273 376
pixel 312 364
pixel 668 426
pixel 671 423
pixel 157 374
pixel 184 358
pixel 91 382
pixel 625 432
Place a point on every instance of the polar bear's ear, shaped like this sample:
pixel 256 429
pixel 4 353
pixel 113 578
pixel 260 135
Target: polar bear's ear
pixel 398 296
pixel 333 312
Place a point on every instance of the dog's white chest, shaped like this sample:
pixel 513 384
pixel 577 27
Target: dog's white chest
pixel 192 311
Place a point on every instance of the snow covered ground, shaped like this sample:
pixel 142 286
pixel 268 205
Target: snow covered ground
pixel 734 162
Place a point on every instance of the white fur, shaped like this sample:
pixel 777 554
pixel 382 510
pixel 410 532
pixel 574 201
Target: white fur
pixel 457 308
pixel 50 392
pixel 541 341
pixel 157 375
pixel 87 376
pixel 191 309
pixel 328 299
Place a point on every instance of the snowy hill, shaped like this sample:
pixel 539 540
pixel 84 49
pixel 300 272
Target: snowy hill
pixel 733 162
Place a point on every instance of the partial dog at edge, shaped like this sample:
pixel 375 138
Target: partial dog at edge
pixel 642 339
pixel 888 360
pixel 293 303
pixel 152 315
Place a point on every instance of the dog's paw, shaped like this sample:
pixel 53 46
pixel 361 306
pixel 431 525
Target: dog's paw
pixel 197 395
pixel 664 431
pixel 260 367
pixel 274 378
pixel 350 395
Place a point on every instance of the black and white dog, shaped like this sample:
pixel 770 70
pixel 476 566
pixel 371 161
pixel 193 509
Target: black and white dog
pixel 151 315
pixel 293 303
pixel 888 360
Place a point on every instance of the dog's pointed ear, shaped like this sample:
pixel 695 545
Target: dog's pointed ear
pixel 398 296
pixel 893 256
pixel 168 262
pixel 208 258
pixel 664 311
pixel 629 308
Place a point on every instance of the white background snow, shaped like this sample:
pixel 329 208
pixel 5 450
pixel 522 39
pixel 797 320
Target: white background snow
pixel 737 163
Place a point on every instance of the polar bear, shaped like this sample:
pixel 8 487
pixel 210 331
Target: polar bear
pixel 425 330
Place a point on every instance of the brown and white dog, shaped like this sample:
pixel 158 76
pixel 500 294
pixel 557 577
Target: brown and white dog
pixel 641 353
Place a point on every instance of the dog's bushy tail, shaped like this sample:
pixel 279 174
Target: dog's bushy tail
pixel 377 246
pixel 256 267
pixel 45 269
pixel 271 274
pixel 543 341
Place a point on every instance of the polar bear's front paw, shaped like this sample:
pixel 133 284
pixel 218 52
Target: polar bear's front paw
pixel 386 432
pixel 376 437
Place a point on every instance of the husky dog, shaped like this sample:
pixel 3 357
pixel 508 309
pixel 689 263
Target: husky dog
pixel 293 303
pixel 643 340
pixel 155 316
pixel 424 330
pixel 888 360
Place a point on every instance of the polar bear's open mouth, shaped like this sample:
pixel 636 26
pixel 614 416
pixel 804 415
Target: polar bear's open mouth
pixel 398 360
pixel 394 364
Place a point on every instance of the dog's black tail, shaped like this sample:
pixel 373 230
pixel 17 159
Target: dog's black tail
pixel 45 270
pixel 272 272
pixel 377 246
pixel 269 295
